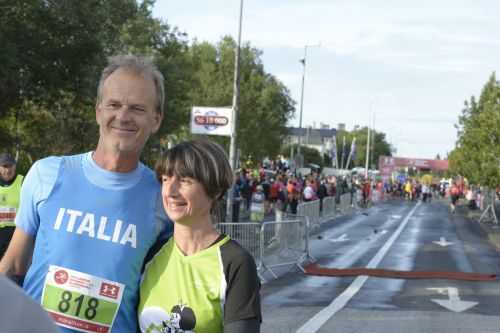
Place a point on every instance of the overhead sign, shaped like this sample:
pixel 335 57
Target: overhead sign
pixel 211 121
pixel 388 164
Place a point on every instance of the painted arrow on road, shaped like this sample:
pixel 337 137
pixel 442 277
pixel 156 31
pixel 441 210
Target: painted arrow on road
pixel 442 241
pixel 454 303
pixel 342 238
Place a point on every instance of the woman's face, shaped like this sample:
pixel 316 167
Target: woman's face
pixel 185 199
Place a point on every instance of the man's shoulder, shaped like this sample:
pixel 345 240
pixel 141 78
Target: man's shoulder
pixel 50 161
pixel 45 167
pixel 55 161
pixel 150 176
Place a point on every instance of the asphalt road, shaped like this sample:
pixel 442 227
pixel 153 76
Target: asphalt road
pixel 395 235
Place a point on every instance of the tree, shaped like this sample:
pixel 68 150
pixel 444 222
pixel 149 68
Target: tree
pixel 477 152
pixel 265 103
pixel 380 147
pixel 52 52
pixel 48 84
pixel 311 155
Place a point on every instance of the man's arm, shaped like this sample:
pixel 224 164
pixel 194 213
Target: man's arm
pixel 37 185
pixel 16 260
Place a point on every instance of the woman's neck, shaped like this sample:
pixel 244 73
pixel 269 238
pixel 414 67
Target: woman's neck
pixel 192 239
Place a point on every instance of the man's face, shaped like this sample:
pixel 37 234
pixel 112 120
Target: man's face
pixel 7 172
pixel 127 113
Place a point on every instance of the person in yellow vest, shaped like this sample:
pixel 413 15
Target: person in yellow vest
pixel 408 190
pixel 199 280
pixel 10 190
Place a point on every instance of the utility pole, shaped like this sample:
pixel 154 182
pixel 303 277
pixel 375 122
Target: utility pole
pixel 367 150
pixel 236 97
pixel 303 61
pixel 373 141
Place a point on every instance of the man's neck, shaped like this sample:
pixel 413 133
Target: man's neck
pixel 115 162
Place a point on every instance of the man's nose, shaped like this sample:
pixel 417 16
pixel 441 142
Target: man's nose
pixel 124 113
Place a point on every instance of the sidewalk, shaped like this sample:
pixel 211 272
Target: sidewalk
pixel 491 231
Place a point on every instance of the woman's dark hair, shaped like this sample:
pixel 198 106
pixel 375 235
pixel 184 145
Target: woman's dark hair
pixel 202 160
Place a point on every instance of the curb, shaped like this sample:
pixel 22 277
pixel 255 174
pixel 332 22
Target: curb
pixel 491 231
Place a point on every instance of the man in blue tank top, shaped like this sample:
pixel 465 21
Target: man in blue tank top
pixel 86 222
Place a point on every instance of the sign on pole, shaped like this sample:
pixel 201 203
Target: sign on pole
pixel 211 121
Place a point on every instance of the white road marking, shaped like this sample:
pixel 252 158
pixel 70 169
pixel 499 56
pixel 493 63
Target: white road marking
pixel 342 238
pixel 315 323
pixel 454 303
pixel 442 241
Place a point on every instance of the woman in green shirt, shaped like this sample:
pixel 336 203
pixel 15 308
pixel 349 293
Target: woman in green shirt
pixel 199 280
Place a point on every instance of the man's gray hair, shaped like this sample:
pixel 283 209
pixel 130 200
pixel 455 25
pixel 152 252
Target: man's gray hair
pixel 140 65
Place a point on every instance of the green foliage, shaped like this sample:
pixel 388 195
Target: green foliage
pixel 477 152
pixel 311 155
pixel 52 55
pixel 52 52
pixel 378 146
pixel 265 104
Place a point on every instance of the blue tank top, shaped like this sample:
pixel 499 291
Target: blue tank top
pixel 89 250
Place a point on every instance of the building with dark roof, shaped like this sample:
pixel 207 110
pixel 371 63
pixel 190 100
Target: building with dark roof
pixel 320 139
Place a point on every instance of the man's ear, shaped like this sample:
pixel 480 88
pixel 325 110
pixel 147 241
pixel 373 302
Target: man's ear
pixel 97 111
pixel 158 118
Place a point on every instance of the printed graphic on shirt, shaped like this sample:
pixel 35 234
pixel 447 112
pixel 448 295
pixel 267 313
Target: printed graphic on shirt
pixel 93 226
pixel 81 301
pixel 181 319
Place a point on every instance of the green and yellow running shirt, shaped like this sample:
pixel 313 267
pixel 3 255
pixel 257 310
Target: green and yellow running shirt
pixel 9 202
pixel 199 293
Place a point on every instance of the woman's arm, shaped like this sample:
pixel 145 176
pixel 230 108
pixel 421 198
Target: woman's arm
pixel 243 326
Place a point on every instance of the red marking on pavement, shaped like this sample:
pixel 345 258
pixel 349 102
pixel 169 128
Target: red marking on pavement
pixel 314 269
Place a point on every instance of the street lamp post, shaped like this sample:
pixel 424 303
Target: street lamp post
pixel 236 95
pixel 303 61
pixel 367 160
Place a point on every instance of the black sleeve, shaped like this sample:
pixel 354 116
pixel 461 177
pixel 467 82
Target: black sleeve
pixel 243 326
pixel 243 285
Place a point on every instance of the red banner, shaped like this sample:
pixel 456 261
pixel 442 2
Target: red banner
pixel 388 164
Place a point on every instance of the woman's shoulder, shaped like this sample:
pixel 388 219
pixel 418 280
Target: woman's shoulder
pixel 233 249
pixel 234 255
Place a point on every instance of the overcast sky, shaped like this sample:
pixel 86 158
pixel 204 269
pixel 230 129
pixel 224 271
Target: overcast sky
pixel 412 63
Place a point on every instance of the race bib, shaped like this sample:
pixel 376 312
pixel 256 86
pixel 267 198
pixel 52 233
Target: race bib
pixel 7 213
pixel 7 216
pixel 81 301
pixel 256 207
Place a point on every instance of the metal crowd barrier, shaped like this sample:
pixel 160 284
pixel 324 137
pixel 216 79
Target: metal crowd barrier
pixel 345 206
pixel 489 206
pixel 272 244
pixel 329 207
pixel 248 235
pixel 285 241
pixel 311 210
pixel 287 246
